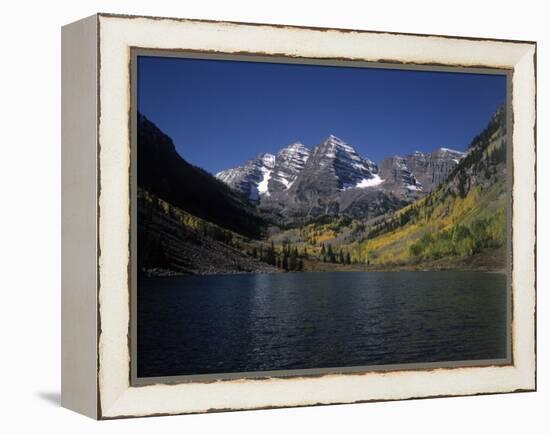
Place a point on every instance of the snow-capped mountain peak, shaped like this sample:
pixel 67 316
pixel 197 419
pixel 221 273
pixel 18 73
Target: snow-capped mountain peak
pixel 288 164
pixel 350 169
pixel 267 173
pixel 250 178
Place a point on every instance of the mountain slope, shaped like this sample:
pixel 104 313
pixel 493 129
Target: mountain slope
pixel 172 241
pixel 464 218
pixel 162 172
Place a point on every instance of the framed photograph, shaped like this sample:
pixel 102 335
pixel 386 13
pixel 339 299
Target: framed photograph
pixel 261 216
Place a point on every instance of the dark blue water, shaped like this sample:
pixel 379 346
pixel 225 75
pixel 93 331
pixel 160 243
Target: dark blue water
pixel 264 322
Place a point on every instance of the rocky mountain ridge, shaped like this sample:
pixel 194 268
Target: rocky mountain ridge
pixel 334 179
pixel 267 174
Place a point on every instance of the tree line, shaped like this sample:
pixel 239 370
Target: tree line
pixel 291 258
pixel 335 257
pixel 288 258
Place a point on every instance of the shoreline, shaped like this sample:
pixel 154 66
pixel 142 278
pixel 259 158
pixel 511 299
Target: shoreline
pixel 370 269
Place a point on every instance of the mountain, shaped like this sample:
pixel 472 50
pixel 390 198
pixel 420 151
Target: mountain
pixel 419 173
pixel 460 223
pixel 337 164
pixel 166 175
pixel 298 182
pixel 334 179
pixel 289 163
pixel 267 174
pixel 251 178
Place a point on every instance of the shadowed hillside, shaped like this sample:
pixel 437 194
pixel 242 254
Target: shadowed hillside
pixel 162 172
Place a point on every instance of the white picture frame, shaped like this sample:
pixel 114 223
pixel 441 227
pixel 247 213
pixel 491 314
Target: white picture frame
pixel 96 212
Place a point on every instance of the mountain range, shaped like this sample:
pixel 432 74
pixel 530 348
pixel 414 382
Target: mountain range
pixel 333 179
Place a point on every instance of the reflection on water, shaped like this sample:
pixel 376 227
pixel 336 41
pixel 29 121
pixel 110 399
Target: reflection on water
pixel 263 322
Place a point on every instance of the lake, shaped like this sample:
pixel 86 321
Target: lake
pixel 264 322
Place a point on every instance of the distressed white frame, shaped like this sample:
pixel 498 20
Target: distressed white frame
pixel 117 34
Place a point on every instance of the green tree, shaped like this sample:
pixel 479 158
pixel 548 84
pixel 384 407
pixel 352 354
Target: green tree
pixel 293 263
pixel 285 262
pixel 330 254
pixel 270 255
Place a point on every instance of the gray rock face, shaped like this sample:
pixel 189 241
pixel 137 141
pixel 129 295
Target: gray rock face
pixel 419 173
pixel 336 159
pixel 248 178
pixel 398 176
pixel 333 168
pixel 289 162
pixel 433 168
pixel 267 174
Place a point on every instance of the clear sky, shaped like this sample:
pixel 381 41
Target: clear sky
pixel 221 113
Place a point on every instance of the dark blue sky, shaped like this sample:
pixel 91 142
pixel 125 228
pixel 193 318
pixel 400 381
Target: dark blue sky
pixel 222 113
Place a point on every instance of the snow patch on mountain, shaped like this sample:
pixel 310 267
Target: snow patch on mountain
pixel 268 160
pixel 372 182
pixel 348 167
pixel 452 151
pixel 249 179
pixel 262 185
pixel 288 164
